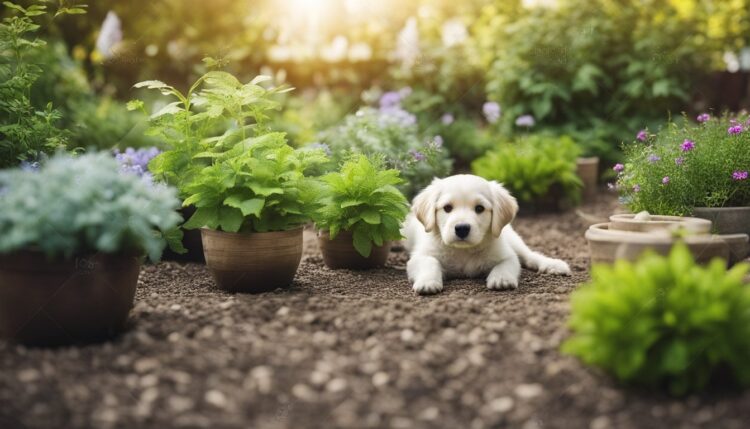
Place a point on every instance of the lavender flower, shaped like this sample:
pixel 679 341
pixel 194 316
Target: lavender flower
pixel 135 162
pixel 525 121
pixel 396 115
pixel 654 158
pixel 447 119
pixel 740 175
pixel 703 117
pixel 687 145
pixel 492 111
pixel 679 160
pixel 734 129
pixel 665 180
pixel 642 135
pixel 390 100
pixel 417 155
pixel 618 167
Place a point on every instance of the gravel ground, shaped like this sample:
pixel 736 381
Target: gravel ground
pixel 346 349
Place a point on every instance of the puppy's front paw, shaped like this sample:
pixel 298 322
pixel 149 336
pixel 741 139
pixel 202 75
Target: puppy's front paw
pixel 427 287
pixel 555 266
pixel 501 281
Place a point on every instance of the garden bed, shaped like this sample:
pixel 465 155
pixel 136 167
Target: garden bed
pixel 346 349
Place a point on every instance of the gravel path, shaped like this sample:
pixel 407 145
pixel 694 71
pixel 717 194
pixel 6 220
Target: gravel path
pixel 345 349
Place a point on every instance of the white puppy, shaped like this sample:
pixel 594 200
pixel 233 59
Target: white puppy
pixel 460 227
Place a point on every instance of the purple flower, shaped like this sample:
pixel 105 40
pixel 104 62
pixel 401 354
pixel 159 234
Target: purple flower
pixel 740 175
pixel 390 99
pixel 134 161
pixel 492 111
pixel 642 135
pixel 654 158
pixel 665 180
pixel 525 121
pixel 734 130
pixel 618 167
pixel 437 142
pixel 703 117
pixel 417 155
pixel 447 119
pixel 679 161
pixel 687 145
pixel 636 188
pixel 396 115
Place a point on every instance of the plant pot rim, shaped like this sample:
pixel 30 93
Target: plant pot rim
pixel 723 209
pixel 601 232
pixel 286 231
pixel 693 224
pixel 587 159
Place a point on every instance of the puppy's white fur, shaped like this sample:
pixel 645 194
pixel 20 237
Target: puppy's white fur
pixel 491 247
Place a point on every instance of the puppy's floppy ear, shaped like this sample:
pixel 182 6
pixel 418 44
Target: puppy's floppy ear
pixel 504 208
pixel 424 205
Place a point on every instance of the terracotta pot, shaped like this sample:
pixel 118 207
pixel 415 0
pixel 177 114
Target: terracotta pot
pixel 606 245
pixel 637 223
pixel 56 302
pixel 726 220
pixel 252 262
pixel 191 241
pixel 588 171
pixel 340 253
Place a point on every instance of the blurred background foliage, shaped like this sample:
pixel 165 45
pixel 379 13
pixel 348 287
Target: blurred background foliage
pixel 597 70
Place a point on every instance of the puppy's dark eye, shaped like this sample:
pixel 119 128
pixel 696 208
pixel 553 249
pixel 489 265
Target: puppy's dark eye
pixel 448 208
pixel 479 209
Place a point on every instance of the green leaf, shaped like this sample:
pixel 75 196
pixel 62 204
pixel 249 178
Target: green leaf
pixel 203 217
pixel 230 219
pixel 248 207
pixel 362 243
pixel 371 216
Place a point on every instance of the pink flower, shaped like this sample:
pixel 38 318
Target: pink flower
pixel 665 180
pixel 618 167
pixel 734 130
pixel 687 145
pixel 703 117
pixel 679 161
pixel 642 135
pixel 740 175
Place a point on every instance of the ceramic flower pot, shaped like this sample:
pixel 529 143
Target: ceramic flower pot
pixel 60 302
pixel 588 171
pixel 340 253
pixel 252 262
pixel 726 220
pixel 607 245
pixel 191 241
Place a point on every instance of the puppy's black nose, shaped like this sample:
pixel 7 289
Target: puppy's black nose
pixel 463 230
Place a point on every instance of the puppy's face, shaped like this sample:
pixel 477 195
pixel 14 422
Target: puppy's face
pixel 465 210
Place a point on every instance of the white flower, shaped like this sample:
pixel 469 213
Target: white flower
pixel 454 33
pixel 407 44
pixel 110 35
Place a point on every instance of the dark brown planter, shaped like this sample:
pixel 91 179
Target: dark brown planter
pixel 252 262
pixel 340 253
pixel 191 241
pixel 588 171
pixel 60 302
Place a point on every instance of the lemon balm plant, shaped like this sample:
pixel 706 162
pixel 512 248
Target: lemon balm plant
pixel 664 322
pixel 82 224
pixel 362 212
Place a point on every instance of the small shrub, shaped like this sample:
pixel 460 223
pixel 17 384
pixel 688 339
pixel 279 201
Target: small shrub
pixel 664 322
pixel 73 206
pixel 257 185
pixel 693 165
pixel 362 199
pixel 532 166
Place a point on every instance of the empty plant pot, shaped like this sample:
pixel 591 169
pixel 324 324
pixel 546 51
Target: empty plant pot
pixel 340 253
pixel 607 245
pixel 644 222
pixel 726 220
pixel 252 262
pixel 58 302
pixel 588 171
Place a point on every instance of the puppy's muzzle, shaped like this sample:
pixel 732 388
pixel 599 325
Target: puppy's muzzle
pixel 462 230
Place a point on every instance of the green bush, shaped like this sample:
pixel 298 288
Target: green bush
pixel 687 166
pixel 664 322
pixel 463 139
pixel 73 206
pixel 392 133
pixel 533 166
pixel 362 199
pixel 256 185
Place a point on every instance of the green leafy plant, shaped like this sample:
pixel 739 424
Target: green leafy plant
pixel 258 184
pixel 687 166
pixel 363 200
pixel 390 132
pixel 664 322
pixel 26 132
pixel 534 166
pixel 79 205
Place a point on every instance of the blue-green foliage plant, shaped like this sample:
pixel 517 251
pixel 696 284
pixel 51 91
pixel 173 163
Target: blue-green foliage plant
pixel 80 205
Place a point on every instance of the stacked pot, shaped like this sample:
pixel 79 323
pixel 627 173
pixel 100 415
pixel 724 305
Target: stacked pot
pixel 627 236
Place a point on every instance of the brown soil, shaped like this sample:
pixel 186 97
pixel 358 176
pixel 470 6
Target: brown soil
pixel 346 349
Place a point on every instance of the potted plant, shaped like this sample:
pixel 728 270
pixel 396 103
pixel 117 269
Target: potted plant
pixel 362 212
pixel 216 112
pixel 699 169
pixel 251 204
pixel 74 232
pixel 587 169
pixel 539 170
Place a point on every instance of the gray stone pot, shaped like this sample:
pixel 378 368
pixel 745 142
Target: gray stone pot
pixel 726 220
